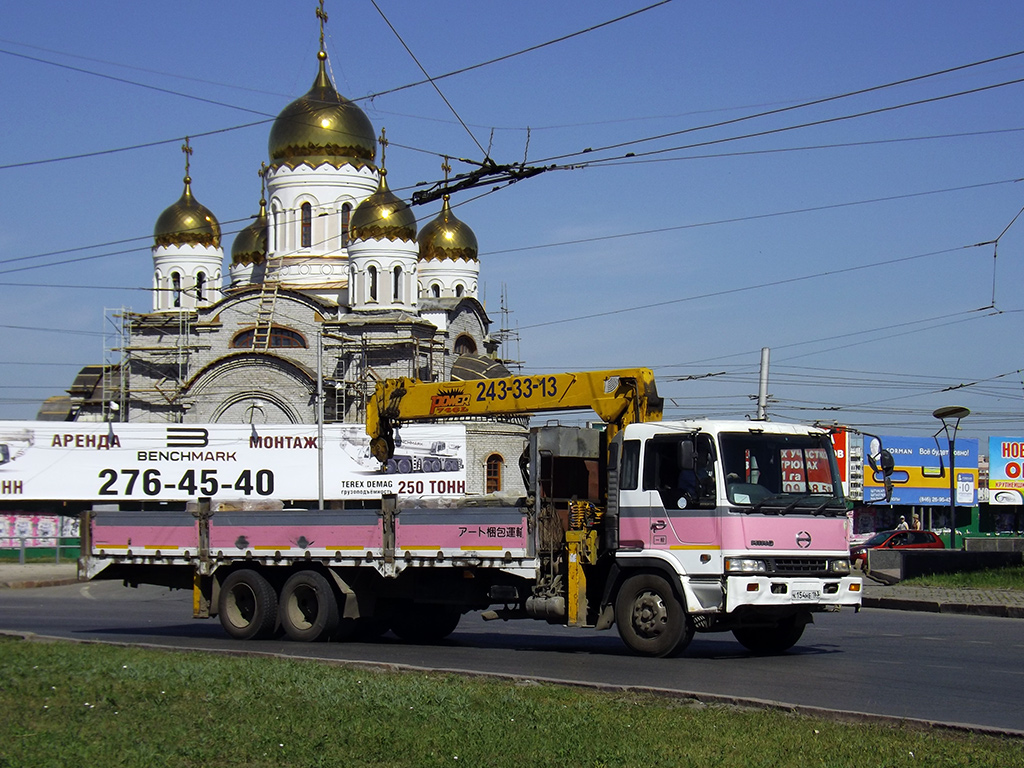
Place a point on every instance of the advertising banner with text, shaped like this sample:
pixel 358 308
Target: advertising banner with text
pixel 841 446
pixel 921 475
pixel 112 462
pixel 1006 470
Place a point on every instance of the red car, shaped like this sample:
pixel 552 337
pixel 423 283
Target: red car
pixel 895 540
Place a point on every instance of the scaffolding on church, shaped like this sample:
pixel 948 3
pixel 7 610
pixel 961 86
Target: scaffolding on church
pixel 114 377
pixel 506 336
pixel 265 314
pixel 172 365
pixel 361 367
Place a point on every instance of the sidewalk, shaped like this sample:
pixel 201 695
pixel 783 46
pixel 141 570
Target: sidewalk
pixel 15 576
pixel 1007 603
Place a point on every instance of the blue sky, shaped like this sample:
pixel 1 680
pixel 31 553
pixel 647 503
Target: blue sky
pixel 850 247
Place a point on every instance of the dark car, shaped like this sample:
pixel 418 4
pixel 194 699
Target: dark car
pixel 895 540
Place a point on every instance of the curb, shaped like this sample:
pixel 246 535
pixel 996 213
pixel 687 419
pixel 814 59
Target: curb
pixel 37 583
pixel 703 698
pixel 933 606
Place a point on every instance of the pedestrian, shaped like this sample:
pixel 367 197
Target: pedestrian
pixel 903 524
pixel 915 522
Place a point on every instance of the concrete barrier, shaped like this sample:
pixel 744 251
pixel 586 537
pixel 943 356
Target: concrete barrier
pixel 995 544
pixel 892 565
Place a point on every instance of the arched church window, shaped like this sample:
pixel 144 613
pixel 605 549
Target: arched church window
pixel 346 219
pixel 396 295
pixel 200 286
pixel 307 225
pixel 459 290
pixel 464 345
pixel 435 291
pixel 175 289
pixel 373 283
pixel 280 338
pixel 495 465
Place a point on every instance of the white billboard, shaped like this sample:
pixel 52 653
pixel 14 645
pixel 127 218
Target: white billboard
pixel 114 461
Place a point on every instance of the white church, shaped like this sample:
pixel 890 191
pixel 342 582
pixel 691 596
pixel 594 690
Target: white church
pixel 331 288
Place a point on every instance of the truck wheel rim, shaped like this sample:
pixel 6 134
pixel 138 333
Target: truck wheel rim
pixel 303 607
pixel 242 605
pixel 649 614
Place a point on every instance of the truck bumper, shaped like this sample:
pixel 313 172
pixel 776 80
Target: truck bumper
pixel 814 594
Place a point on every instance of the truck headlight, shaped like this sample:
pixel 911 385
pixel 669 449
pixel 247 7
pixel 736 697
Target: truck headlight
pixel 839 566
pixel 744 565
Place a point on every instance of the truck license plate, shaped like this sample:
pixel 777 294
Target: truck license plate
pixel 805 596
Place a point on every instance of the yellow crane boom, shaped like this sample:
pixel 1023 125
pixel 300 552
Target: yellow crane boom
pixel 618 397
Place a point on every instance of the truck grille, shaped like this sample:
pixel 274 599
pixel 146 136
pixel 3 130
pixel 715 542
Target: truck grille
pixel 797 565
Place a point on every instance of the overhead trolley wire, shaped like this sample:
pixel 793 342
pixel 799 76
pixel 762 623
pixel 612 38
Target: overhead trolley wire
pixel 269 117
pixel 812 103
pixel 751 287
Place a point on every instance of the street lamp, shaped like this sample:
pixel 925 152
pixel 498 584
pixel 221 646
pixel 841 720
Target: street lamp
pixel 945 415
pixel 320 419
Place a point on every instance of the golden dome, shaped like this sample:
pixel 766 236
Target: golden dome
pixel 250 246
pixel 383 216
pixel 322 127
pixel 447 238
pixel 187 222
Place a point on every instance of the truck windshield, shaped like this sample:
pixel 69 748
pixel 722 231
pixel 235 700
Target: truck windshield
pixel 781 474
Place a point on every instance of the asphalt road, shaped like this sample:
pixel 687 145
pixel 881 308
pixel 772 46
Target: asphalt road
pixel 937 667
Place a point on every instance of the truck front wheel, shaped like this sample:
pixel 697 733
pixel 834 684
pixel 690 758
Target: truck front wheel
pixel 309 610
pixel 650 618
pixel 247 606
pixel 777 639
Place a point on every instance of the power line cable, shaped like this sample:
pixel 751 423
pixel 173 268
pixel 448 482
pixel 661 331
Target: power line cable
pixel 69 331
pixel 431 80
pixel 578 241
pixel 746 288
pixel 162 73
pixel 805 148
pixel 145 145
pixel 783 129
pixel 753 217
pixel 372 96
pixel 531 49
pixel 270 118
pixel 803 105
pixel 126 81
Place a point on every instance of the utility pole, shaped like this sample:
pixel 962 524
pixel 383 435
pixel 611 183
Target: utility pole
pixel 762 390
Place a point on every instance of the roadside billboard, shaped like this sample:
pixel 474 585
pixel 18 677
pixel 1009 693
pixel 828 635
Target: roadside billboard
pixel 917 478
pixel 114 462
pixel 1006 470
pixel 32 530
pixel 841 446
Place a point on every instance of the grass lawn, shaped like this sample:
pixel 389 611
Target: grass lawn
pixel 993 578
pixel 65 704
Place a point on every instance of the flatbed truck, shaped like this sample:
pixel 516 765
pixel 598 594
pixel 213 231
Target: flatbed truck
pixel 659 528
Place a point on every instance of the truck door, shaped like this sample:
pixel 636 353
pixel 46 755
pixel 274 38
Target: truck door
pixel 679 484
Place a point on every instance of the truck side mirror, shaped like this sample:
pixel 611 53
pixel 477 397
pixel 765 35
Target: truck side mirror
pixel 687 455
pixel 886 463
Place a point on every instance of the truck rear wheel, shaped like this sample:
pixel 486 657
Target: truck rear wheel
pixel 768 640
pixel 422 623
pixel 650 618
pixel 309 610
pixel 247 606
